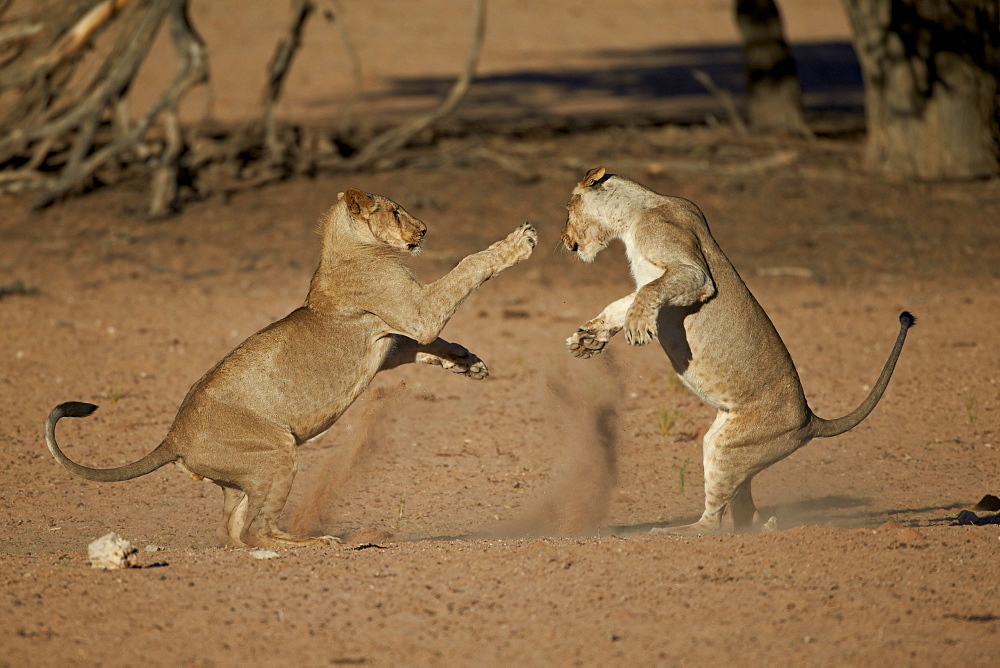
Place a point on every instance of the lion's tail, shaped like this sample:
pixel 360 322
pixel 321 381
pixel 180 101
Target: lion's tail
pixel 154 460
pixel 824 428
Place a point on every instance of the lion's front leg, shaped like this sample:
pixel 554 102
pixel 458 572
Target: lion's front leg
pixel 594 334
pixel 640 321
pixel 680 286
pixel 447 355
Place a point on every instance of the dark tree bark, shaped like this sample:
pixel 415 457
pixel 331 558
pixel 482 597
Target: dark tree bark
pixel 774 94
pixel 930 85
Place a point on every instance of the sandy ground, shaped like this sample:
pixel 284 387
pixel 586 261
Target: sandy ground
pixel 496 522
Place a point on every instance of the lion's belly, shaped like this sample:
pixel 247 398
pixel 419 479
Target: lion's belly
pixel 334 392
pixel 299 377
pixel 725 362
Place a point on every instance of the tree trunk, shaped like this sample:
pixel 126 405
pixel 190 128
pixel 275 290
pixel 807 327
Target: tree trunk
pixel 930 86
pixel 774 94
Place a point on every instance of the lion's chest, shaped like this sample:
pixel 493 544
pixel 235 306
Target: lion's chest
pixel 643 271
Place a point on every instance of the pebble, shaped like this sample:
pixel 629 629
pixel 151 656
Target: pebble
pixel 265 554
pixel 111 552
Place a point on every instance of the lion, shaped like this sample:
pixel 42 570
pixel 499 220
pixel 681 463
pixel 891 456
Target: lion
pixel 718 339
pixel 239 426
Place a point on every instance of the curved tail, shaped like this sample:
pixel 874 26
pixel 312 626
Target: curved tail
pixel 154 460
pixel 824 428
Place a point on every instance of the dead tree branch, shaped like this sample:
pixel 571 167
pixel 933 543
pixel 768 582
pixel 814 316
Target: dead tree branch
pixel 395 138
pixel 347 118
pixel 277 71
pixel 66 77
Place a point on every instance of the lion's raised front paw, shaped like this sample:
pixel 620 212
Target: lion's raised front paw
pixel 518 244
pixel 586 343
pixel 640 328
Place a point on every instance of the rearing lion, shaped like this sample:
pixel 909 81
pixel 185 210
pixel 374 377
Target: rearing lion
pixel 717 337
pixel 239 426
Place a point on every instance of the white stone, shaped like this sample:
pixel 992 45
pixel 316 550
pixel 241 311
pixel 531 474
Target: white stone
pixel 111 553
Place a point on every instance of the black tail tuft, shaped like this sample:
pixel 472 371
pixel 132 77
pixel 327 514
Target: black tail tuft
pixel 907 319
pixel 76 409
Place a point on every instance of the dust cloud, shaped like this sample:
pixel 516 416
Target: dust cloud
pixel 583 426
pixel 580 403
pixel 309 515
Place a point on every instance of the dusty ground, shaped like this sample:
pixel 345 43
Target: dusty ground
pixel 494 531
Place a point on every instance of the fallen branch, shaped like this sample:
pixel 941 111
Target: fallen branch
pixel 395 138
pixel 70 126
pixel 80 33
pixel 118 72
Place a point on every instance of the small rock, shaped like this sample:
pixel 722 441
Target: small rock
pixel 770 525
pixel 111 553
pixel 265 554
pixel 989 503
pixel 153 548
pixel 968 517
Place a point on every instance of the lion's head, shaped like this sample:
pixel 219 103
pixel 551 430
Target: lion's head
pixel 584 233
pixel 385 220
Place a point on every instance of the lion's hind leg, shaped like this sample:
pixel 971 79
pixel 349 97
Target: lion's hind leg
pixel 734 452
pixel 234 505
pixel 267 489
pixel 255 470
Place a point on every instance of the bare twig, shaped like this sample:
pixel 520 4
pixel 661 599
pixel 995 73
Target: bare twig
pixel 725 99
pixel 395 138
pixel 70 120
pixel 113 82
pixel 191 71
pixel 81 32
pixel 277 71
pixel 347 117
pixel 19 30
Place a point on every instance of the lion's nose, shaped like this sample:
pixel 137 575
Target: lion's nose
pixel 571 245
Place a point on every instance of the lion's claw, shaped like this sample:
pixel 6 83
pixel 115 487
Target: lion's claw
pixel 639 337
pixel 640 329
pixel 529 232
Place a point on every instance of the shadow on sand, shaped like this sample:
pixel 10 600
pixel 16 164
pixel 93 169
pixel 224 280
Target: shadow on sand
pixel 648 84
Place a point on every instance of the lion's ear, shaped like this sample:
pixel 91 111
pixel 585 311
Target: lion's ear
pixel 592 177
pixel 357 201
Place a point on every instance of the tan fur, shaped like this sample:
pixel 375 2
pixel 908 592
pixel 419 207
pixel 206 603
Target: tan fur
pixel 239 426
pixel 717 337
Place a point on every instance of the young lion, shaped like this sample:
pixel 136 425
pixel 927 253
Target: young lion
pixel 239 425
pixel 717 337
